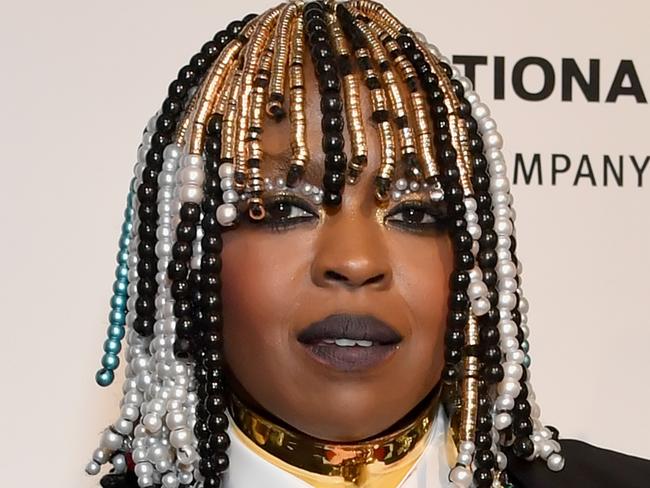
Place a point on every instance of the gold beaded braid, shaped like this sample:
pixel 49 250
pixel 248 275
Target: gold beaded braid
pixel 386 169
pixel 209 90
pixel 230 115
pixel 255 183
pixel 469 384
pixel 423 131
pixel 274 106
pixel 297 110
pixel 352 96
pixel 251 59
pixel 181 130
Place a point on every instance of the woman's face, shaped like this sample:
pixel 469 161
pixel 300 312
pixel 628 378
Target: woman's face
pixel 357 264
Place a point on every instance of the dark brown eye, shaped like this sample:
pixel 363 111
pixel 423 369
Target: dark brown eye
pixel 417 216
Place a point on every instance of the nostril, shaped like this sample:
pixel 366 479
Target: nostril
pixel 375 279
pixel 335 276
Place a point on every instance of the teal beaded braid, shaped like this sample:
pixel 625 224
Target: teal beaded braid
pixel 117 316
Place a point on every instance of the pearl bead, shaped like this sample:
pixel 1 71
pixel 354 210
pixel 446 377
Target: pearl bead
pixel 192 160
pixel 185 478
pixel 192 175
pixel 480 111
pixel 226 214
pixel 191 193
pixel 467 447
pixel 145 481
pixel 227 184
pixel 464 458
pixel 505 402
pixel 401 184
pixel 502 461
pixel 481 306
pixel 461 476
pixel 512 370
pixel 502 421
pixel 119 463
pixel 110 440
pixel 139 455
pixel 93 468
pixel 152 422
pixel 509 387
pixel 226 170
pixel 180 438
pixel 169 480
pixel 474 231
pixel 143 469
pixel 172 151
pixel 555 462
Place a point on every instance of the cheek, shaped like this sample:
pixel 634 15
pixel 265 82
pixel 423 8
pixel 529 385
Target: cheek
pixel 258 293
pixel 422 276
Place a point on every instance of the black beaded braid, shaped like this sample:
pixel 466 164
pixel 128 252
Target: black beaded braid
pixel 491 368
pixel 199 329
pixel 329 84
pixel 188 77
pixel 450 180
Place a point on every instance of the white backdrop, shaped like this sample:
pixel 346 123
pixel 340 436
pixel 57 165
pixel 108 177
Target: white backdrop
pixel 79 81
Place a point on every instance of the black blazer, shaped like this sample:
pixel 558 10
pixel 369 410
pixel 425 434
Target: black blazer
pixel 586 467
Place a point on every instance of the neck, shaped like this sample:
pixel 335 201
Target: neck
pixel 343 459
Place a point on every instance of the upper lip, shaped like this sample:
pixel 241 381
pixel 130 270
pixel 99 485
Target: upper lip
pixel 350 326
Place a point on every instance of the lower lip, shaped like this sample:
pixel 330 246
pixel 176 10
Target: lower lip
pixel 350 358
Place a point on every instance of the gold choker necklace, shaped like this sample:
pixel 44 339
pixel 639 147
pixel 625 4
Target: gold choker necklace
pixel 351 461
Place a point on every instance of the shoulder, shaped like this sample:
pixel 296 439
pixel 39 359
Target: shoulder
pixel 586 466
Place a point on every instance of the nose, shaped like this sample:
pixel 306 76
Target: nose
pixel 351 253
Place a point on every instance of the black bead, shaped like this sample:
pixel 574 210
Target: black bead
pixel 184 327
pixel 480 182
pixel 146 249
pixel 489 335
pixel 333 142
pixel 210 263
pixel 493 373
pixel 484 458
pixel 457 318
pixel 212 243
pixel 332 122
pixel 222 38
pixel 336 161
pixel 483 440
pixel 147 286
pixel 166 123
pixel 212 482
pixel 450 374
pixel 178 90
pixel 487 258
pixel 483 477
pixel 454 338
pixel 333 181
pixel 180 289
pixel 235 27
pixel 459 280
pixel 332 199
pixel 484 422
pixel 554 432
pixel 492 354
pixel 202 430
pixel 190 212
pixel 147 193
pixel 147 267
pixel 143 325
pixel 186 231
pixel 453 355
pixel 198 63
pixel 329 82
pixel 218 422
pixel 463 241
pixel 331 103
pixel 465 260
pixel 458 300
pixel 220 442
pixel 522 426
pixel 154 159
pixel 210 50
pixel 523 447
pixel 172 107
pixel 216 404
pixel 176 270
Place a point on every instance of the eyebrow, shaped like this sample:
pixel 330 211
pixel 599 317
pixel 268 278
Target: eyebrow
pixel 279 166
